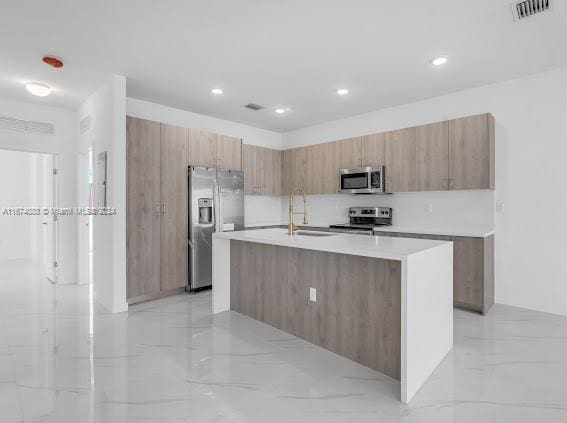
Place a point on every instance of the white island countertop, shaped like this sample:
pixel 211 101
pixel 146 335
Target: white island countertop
pixel 358 245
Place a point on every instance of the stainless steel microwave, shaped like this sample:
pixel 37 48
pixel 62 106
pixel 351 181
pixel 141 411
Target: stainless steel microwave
pixel 363 180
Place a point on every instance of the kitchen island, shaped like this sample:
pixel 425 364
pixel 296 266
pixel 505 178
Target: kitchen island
pixel 386 303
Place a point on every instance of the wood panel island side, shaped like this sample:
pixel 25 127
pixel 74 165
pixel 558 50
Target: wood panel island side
pixel 386 303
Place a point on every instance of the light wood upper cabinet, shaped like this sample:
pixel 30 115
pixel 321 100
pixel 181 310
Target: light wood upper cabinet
pixel 202 148
pixel 323 168
pixel 142 207
pixel 262 170
pixel 294 169
pixel 313 182
pixel 449 155
pixel 471 152
pixel 299 168
pixel 249 165
pixel 272 172
pixel 432 164
pixel 174 163
pixel 350 153
pixel 400 168
pixel 287 171
pixel 214 150
pixel 229 152
pixel 373 150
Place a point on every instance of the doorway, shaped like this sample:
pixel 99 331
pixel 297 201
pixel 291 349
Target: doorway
pixel 28 197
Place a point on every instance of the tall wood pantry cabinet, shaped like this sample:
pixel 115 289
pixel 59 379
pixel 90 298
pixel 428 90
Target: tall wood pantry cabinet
pixel 156 223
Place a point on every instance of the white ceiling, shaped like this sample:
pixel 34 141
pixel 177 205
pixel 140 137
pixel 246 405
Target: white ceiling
pixel 292 53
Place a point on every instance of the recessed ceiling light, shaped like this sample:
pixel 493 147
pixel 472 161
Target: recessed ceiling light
pixel 438 61
pixel 342 91
pixel 38 88
pixel 280 111
pixel 217 91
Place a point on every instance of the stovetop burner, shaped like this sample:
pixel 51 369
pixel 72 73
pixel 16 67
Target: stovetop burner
pixel 364 219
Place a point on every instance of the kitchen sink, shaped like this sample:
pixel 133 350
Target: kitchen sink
pixel 316 234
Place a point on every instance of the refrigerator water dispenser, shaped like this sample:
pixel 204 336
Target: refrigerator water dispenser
pixel 205 210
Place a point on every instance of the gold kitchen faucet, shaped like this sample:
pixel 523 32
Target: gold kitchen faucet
pixel 291 228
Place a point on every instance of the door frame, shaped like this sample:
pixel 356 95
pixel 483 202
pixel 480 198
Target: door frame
pixel 53 172
pixel 85 223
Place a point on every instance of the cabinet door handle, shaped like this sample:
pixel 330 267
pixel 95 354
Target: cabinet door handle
pixel 157 210
pixel 163 209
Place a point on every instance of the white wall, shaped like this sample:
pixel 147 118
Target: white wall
pixel 531 157
pixel 258 210
pixel 107 107
pixel 264 210
pixel 451 210
pixel 64 145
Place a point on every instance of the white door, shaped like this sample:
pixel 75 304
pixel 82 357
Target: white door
pixel 49 218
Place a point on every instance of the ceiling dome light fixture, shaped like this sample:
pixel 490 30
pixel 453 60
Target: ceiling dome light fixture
pixel 38 88
pixel 439 61
pixel 280 111
pixel 342 91
pixel 217 91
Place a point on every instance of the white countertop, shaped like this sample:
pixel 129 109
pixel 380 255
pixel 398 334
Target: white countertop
pixel 470 232
pixel 359 245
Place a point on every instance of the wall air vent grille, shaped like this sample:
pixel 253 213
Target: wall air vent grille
pixel 39 127
pixel 253 106
pixel 13 124
pixel 526 8
pixel 85 124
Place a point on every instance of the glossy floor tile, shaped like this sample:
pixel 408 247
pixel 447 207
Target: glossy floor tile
pixel 63 359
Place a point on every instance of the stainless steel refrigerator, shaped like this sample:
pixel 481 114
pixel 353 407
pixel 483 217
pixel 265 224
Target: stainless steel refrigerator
pixel 216 204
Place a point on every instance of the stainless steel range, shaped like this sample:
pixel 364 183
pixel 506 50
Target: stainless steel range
pixel 363 219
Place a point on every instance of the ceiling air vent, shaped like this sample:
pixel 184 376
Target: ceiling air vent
pixel 26 126
pixel 85 124
pixel 526 8
pixel 253 106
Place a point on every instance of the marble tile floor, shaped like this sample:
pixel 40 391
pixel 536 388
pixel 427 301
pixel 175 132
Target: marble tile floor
pixel 63 359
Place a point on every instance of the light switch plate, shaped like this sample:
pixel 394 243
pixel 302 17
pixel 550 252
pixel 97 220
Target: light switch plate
pixel 313 295
pixel 499 207
pixel 429 208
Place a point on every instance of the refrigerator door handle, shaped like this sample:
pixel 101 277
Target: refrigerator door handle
pixel 215 208
pixel 190 265
pixel 220 219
